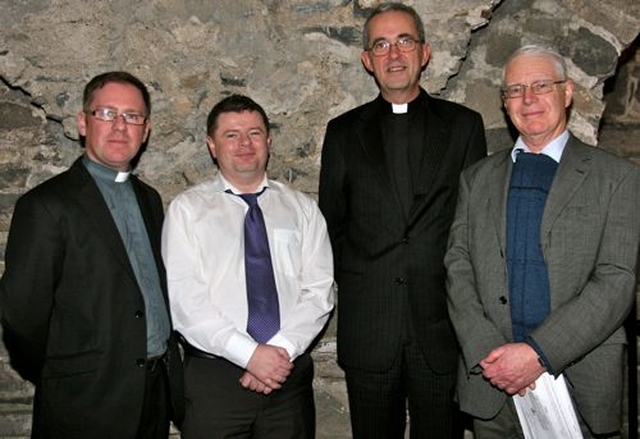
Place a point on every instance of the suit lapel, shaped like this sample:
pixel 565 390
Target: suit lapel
pixel 498 192
pixel 434 144
pixel 90 201
pixel 370 137
pixel 435 139
pixel 572 170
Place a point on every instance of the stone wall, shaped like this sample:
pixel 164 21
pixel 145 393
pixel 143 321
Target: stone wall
pixel 300 60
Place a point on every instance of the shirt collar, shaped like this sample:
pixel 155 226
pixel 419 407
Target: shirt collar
pixel 226 186
pixel 104 173
pixel 553 149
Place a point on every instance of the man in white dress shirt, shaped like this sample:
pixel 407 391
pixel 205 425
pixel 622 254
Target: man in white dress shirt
pixel 235 385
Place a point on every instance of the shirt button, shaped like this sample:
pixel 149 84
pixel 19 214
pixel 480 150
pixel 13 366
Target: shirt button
pixel 141 362
pixel 503 300
pixel 405 240
pixel 399 281
pixel 139 314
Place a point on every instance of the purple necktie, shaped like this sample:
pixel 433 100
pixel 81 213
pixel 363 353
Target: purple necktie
pixel 264 312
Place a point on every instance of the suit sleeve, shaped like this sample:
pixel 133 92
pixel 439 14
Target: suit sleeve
pixel 34 254
pixel 601 306
pixel 477 142
pixel 332 197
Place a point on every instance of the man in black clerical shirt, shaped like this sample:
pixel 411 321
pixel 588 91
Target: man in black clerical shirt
pixel 388 188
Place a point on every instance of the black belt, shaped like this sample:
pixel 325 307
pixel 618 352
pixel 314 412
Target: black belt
pixel 153 362
pixel 193 351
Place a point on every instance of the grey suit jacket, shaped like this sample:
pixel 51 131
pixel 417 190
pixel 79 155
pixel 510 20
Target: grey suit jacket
pixel 589 238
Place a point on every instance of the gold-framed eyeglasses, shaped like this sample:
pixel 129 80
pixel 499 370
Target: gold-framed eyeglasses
pixel 110 115
pixel 404 44
pixel 537 88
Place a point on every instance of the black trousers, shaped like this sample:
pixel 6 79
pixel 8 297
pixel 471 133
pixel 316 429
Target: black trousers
pixel 378 400
pixel 218 407
pixel 154 420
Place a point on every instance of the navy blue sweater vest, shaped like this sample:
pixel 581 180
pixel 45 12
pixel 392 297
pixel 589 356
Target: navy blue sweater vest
pixel 528 278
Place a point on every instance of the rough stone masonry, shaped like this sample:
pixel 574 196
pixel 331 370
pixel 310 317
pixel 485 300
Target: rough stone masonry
pixel 300 60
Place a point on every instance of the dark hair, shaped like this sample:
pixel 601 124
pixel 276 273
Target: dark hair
pixel 234 104
pixel 119 77
pixel 392 6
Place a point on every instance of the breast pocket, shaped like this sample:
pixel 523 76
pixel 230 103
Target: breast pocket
pixel 287 251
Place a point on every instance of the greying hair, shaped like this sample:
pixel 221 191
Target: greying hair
pixel 388 7
pixel 537 50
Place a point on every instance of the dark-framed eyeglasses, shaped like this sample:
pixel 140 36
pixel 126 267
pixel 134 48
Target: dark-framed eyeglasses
pixel 537 88
pixel 404 44
pixel 110 115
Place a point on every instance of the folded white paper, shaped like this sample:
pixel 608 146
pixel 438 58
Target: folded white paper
pixel 547 411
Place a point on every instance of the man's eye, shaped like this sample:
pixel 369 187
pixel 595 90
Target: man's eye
pixel 541 86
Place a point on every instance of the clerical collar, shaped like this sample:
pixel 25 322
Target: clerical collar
pixel 399 108
pixel 104 173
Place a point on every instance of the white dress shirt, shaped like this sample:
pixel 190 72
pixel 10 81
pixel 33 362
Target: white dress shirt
pixel 203 250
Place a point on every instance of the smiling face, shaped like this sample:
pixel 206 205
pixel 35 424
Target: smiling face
pixel 114 144
pixel 397 73
pixel 543 117
pixel 240 144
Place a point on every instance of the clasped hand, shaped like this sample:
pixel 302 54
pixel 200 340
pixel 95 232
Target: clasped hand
pixel 512 368
pixel 268 368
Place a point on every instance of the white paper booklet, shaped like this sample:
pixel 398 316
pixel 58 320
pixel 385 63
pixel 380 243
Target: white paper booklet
pixel 547 412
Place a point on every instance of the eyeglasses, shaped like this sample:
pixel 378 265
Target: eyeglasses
pixel 110 115
pixel 537 88
pixel 404 44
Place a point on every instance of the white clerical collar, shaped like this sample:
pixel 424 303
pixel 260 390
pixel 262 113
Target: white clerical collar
pixel 399 108
pixel 122 176
pixel 105 173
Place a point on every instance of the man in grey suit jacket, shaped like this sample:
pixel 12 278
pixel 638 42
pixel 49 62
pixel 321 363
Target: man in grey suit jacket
pixel 83 296
pixel 542 260
pixel 388 188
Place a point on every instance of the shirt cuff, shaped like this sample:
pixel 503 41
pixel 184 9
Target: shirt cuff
pixel 239 349
pixel 280 341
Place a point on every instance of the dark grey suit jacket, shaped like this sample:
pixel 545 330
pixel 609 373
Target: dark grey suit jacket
pixel 382 255
pixel 589 238
pixel 73 313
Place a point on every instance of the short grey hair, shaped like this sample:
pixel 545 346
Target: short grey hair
pixel 538 50
pixel 388 7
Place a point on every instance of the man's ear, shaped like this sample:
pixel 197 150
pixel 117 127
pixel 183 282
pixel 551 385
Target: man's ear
pixel 212 146
pixel 366 61
pixel 81 122
pixel 426 54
